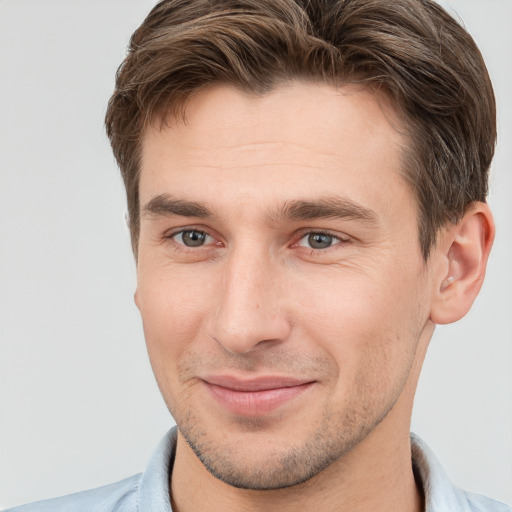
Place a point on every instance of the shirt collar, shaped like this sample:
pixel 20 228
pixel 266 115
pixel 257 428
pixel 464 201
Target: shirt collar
pixel 440 494
pixel 153 493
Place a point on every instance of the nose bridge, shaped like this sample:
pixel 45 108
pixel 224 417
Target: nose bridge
pixel 248 310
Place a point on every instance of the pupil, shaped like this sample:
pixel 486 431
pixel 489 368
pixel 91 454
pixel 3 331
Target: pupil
pixel 320 241
pixel 193 238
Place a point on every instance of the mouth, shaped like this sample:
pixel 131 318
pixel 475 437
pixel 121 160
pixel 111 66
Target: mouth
pixel 255 397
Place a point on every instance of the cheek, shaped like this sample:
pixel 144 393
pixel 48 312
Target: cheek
pixel 343 305
pixel 367 326
pixel 172 309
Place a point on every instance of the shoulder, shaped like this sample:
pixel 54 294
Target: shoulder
pixel 479 503
pixel 117 497
pixel 148 491
pixel 440 494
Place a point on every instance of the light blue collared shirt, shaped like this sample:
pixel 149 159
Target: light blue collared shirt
pixel 149 491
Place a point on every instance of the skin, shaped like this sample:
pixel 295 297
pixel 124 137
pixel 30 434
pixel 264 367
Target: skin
pixel 351 317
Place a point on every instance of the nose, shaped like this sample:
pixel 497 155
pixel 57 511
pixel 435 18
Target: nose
pixel 250 311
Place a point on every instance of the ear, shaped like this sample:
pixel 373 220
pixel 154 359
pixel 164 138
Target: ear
pixel 461 256
pixel 136 298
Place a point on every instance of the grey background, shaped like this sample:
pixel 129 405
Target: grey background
pixel 78 404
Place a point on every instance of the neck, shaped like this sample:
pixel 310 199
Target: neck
pixel 374 476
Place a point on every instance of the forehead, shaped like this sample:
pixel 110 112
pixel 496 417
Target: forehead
pixel 302 137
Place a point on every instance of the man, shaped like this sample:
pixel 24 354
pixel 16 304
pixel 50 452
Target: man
pixel 306 184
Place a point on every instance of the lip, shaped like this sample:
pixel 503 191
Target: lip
pixel 255 397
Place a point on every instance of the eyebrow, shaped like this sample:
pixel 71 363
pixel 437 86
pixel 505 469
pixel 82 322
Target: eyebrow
pixel 165 205
pixel 325 208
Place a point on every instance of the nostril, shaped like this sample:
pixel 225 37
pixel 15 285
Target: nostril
pixel 242 342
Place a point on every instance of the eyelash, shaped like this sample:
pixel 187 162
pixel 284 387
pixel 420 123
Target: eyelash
pixel 187 248
pixel 336 240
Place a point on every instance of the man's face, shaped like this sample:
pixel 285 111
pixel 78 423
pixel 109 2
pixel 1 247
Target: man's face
pixel 280 278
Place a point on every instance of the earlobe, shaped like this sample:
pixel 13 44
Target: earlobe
pixel 463 250
pixel 136 299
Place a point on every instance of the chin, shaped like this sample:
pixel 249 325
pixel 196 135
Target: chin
pixel 259 460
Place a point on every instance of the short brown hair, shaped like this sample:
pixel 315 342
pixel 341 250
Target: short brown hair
pixel 411 49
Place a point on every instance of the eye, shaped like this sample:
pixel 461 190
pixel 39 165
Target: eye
pixel 192 238
pixel 319 240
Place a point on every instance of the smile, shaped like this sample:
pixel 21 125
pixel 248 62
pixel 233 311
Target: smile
pixel 255 397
